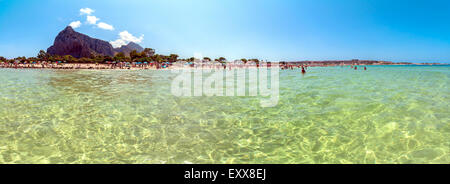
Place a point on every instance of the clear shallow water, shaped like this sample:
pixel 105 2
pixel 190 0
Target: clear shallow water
pixel 388 114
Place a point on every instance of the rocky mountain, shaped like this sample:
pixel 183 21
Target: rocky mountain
pixel 126 49
pixel 70 42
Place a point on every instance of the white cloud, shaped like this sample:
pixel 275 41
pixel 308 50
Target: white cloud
pixel 75 24
pixel 125 35
pixel 92 19
pixel 86 11
pixel 124 38
pixel 118 43
pixel 106 26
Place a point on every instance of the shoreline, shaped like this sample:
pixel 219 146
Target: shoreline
pixel 88 66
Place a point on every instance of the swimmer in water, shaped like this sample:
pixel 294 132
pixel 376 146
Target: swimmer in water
pixel 365 68
pixel 356 68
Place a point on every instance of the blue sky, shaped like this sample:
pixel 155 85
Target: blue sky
pixel 394 30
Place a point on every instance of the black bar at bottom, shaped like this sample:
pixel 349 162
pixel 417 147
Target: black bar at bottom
pixel 229 173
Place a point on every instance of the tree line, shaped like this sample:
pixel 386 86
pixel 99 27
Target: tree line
pixel 147 55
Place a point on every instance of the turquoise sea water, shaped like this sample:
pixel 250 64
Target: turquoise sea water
pixel 387 114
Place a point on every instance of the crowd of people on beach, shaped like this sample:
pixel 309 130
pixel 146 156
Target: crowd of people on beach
pixel 123 65
pixel 147 65
pixel 64 65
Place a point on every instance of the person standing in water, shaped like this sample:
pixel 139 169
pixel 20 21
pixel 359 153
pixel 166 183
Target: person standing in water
pixel 365 68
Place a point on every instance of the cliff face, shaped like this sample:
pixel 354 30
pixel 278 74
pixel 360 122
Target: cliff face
pixel 126 49
pixel 70 42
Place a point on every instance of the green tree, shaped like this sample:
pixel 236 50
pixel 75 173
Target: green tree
pixel 21 59
pixel 43 55
pixel 134 55
pixel 173 58
pixel 119 56
pixel 159 58
pixel 107 58
pixel 222 59
pixel 69 58
pixel 148 52
pixel 99 59
pixel 85 60
pixel 207 59
pixel 255 60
